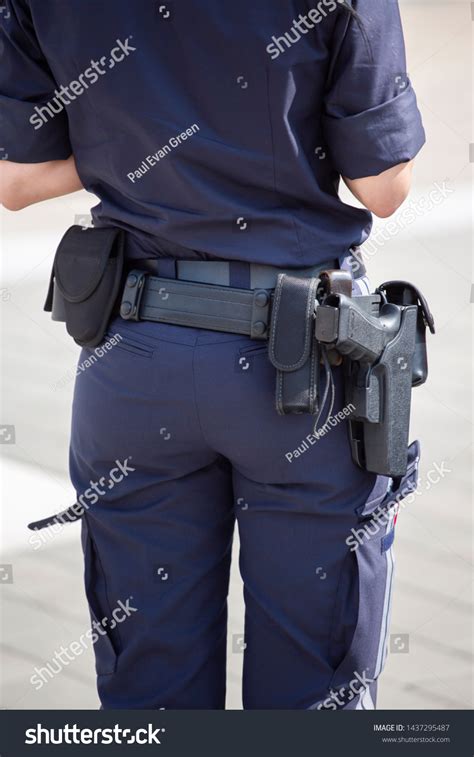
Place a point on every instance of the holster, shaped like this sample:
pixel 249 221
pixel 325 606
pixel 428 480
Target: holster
pixel 85 281
pixel 382 339
pixel 293 351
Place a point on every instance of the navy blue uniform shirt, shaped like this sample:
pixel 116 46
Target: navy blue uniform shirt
pixel 212 128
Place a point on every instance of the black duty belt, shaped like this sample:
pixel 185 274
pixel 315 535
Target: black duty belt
pixel 205 306
pixel 198 298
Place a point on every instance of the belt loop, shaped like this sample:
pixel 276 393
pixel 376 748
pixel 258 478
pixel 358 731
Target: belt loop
pixel 239 274
pixel 167 268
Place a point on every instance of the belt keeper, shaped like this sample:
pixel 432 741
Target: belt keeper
pixel 132 295
pixel 260 314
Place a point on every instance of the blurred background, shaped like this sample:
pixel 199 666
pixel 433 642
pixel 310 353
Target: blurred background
pixel 41 591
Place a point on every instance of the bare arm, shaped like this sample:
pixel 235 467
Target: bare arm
pixel 383 194
pixel 23 184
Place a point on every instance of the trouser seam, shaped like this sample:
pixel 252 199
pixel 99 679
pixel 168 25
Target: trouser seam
pixel 106 586
pixel 196 404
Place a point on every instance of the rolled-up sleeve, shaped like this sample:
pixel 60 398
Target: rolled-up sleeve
pixel 371 120
pixel 31 132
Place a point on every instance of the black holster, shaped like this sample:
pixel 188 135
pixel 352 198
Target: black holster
pixel 293 351
pixel 85 281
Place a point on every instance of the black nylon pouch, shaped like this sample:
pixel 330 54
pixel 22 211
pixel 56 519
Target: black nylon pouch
pixel 293 350
pixel 85 281
pixel 405 293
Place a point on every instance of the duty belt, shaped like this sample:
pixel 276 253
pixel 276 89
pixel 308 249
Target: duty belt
pixel 308 313
pixel 196 299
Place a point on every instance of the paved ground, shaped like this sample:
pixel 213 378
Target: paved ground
pixel 430 662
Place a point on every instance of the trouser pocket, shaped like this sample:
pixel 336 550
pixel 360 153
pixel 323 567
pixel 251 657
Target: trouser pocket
pixel 133 343
pixel 358 644
pixel 104 639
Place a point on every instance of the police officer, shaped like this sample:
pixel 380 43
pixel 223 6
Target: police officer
pixel 215 135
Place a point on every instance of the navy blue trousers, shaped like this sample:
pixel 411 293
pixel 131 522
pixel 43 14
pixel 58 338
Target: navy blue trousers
pixel 176 434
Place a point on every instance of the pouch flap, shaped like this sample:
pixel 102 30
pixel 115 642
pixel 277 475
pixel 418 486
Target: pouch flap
pixel 292 323
pixel 396 292
pixel 81 260
pixel 48 305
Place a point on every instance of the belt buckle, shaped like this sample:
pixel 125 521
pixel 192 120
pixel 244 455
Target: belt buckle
pixel 132 295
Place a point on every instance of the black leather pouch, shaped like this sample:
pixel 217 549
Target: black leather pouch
pixel 85 281
pixel 293 350
pixel 404 293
